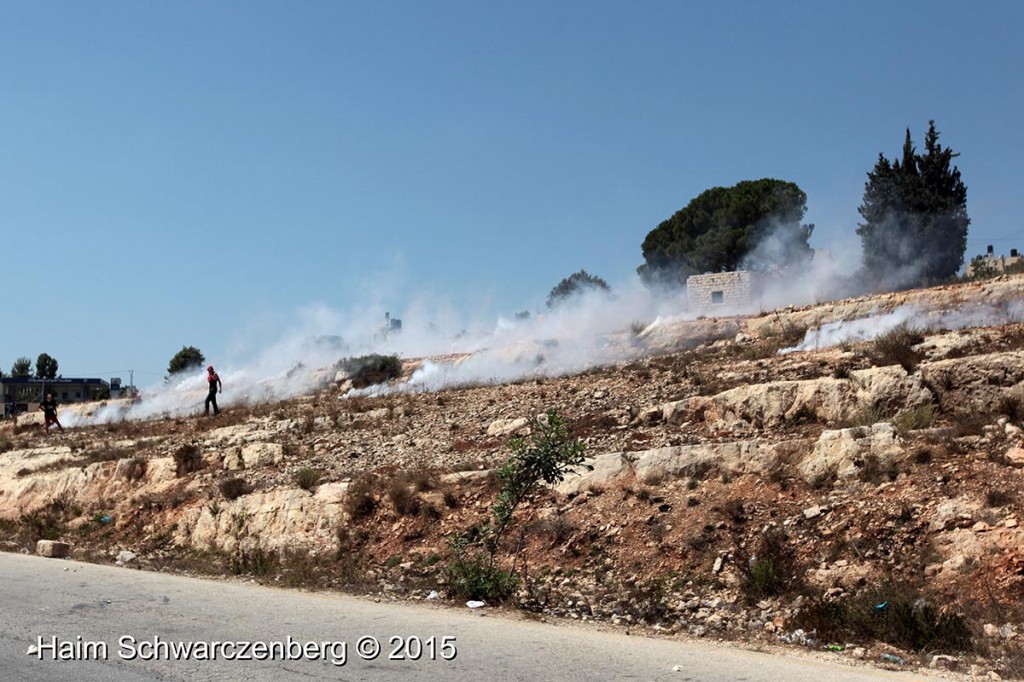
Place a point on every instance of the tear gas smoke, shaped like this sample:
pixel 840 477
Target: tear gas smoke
pixel 588 330
pixel 869 328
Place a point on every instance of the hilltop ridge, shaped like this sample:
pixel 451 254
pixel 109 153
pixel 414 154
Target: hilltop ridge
pixel 877 457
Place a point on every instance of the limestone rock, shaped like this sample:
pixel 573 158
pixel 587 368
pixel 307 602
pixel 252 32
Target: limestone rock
pixel 261 454
pixel 53 549
pixel 506 427
pixel 1016 455
pixel 233 459
pixel 843 452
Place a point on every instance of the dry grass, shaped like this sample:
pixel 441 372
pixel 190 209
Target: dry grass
pixel 233 488
pixel 308 479
pixel 895 347
pixel 403 497
pixel 188 459
pixel 360 501
pixel 893 613
pixel 920 417
pixel 135 470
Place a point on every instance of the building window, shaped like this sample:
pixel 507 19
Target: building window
pixel 64 395
pixel 718 297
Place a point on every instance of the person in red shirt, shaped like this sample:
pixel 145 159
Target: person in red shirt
pixel 215 388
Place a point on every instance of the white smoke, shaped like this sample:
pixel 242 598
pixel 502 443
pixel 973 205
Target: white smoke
pixel 853 331
pixel 787 278
pixel 594 329
pixel 916 317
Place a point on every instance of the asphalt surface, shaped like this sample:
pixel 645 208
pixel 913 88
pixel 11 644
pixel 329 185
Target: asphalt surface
pixel 89 622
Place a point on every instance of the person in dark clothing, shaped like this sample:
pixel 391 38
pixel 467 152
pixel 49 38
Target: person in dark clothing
pixel 215 388
pixel 49 408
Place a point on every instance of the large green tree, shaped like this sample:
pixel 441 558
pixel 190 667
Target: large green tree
pixel 46 366
pixel 188 358
pixel 915 216
pixel 22 367
pixel 575 284
pixel 721 228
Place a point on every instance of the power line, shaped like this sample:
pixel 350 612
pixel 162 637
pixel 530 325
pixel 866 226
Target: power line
pixel 1015 235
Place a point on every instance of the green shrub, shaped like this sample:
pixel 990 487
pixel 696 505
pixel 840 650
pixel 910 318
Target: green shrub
pixel 895 614
pixel 772 570
pixel 868 415
pixel 48 522
pixel 549 454
pixel 841 372
pixel 651 598
pixel 473 576
pixel 368 370
pixel 918 418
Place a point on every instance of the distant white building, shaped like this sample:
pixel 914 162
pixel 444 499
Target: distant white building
pixel 990 261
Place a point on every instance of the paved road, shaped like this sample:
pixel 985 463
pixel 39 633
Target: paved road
pixel 110 623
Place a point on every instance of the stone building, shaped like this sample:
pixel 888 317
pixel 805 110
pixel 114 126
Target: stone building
pixel 25 393
pixel 726 291
pixel 992 263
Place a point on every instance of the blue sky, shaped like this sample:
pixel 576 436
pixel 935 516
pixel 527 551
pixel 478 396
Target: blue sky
pixel 206 173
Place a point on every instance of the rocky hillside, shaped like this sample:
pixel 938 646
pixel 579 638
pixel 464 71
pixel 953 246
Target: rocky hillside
pixel 861 493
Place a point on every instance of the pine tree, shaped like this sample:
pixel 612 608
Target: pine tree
pixel 722 227
pixel 915 216
pixel 575 284
pixel 22 367
pixel 46 366
pixel 187 359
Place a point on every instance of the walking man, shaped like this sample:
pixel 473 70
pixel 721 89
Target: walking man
pixel 49 408
pixel 215 388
